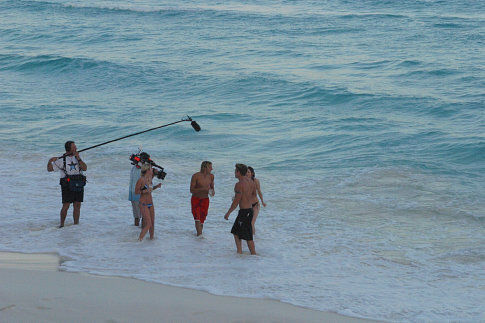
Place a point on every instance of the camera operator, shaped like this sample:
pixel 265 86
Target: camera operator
pixel 138 160
pixel 72 180
pixel 134 176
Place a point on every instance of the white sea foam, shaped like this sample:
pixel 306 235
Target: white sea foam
pixel 340 244
pixel 370 153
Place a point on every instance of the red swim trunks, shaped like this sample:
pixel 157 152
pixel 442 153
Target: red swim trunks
pixel 199 208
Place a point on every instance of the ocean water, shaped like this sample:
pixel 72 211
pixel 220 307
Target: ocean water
pixel 364 121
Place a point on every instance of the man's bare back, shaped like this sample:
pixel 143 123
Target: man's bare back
pixel 247 189
pixel 243 191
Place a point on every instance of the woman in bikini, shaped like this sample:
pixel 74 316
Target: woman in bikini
pixel 144 187
pixel 255 202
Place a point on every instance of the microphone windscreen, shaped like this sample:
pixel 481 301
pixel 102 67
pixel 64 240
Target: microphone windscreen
pixel 195 125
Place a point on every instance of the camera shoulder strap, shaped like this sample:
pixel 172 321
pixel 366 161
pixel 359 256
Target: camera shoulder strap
pixel 64 162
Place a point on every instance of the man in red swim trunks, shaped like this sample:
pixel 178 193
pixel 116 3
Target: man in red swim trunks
pixel 201 186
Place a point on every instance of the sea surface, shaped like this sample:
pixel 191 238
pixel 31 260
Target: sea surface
pixel 364 121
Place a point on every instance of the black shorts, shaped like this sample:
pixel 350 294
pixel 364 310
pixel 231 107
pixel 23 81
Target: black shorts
pixel 242 226
pixel 70 197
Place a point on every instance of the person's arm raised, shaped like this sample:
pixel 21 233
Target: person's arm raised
pixel 82 164
pixel 50 168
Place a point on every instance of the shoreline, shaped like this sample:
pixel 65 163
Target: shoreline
pixel 34 289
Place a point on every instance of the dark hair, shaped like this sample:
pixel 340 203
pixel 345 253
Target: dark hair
pixel 243 169
pixel 253 174
pixel 68 144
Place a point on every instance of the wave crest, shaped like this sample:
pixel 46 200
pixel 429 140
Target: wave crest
pixel 46 62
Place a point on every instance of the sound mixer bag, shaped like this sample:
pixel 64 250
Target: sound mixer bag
pixel 75 183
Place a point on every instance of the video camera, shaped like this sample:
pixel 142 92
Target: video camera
pixel 144 158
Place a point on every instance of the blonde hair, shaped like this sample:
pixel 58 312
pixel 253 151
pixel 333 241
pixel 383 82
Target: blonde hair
pixel 204 165
pixel 145 168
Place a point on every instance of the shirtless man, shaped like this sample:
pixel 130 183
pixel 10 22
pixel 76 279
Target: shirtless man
pixel 244 191
pixel 201 186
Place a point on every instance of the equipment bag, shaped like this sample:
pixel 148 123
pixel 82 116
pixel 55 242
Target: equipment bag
pixel 74 183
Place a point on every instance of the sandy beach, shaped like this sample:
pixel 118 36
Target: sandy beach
pixel 33 289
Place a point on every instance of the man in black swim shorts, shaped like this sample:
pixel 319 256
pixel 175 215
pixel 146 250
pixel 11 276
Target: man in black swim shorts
pixel 242 228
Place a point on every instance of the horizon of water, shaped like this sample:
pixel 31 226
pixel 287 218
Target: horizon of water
pixel 363 120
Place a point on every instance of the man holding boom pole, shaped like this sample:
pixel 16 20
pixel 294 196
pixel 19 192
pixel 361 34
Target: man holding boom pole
pixel 72 180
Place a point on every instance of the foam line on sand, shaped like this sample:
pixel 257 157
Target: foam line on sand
pixel 33 289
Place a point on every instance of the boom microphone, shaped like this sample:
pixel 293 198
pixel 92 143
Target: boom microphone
pixel 195 125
